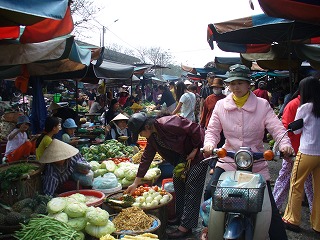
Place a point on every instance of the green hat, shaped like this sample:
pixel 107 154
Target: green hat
pixel 238 72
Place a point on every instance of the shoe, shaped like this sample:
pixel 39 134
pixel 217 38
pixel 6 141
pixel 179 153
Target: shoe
pixel 179 234
pixel 290 226
pixel 174 221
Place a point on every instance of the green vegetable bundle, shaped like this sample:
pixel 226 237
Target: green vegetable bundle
pixel 46 228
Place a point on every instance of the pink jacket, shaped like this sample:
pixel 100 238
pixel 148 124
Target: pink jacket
pixel 244 127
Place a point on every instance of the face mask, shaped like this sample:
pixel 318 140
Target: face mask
pixel 217 91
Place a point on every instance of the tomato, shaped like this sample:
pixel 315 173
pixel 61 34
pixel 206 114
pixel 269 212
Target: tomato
pixel 156 188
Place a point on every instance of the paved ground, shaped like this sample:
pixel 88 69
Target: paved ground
pixel 306 234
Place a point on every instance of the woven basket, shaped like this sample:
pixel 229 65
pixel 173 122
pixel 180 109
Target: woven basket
pixel 11 116
pixel 24 187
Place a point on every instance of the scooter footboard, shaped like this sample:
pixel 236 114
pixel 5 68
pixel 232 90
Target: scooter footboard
pixel 263 219
pixel 216 224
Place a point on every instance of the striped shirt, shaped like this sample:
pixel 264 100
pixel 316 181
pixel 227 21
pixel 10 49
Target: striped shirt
pixel 55 175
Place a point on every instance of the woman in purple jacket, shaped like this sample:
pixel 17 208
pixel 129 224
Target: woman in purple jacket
pixel 177 140
pixel 243 117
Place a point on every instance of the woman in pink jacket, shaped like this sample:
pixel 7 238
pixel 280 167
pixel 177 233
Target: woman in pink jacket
pixel 243 117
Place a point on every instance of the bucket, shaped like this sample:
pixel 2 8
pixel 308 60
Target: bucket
pixel 57 97
pixel 167 184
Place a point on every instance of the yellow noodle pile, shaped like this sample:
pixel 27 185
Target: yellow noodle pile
pixel 132 218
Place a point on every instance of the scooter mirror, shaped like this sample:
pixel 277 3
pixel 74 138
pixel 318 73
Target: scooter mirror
pixel 295 125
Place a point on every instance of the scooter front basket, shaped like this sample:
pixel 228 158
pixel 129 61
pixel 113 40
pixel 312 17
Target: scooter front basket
pixel 239 200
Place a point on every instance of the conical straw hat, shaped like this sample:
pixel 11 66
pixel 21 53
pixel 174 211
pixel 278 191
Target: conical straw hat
pixel 120 116
pixel 54 106
pixel 57 151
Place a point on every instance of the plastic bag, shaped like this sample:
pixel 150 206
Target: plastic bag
pixel 205 211
pixel 84 179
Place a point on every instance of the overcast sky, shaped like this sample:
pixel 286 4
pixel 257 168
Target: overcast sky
pixel 177 26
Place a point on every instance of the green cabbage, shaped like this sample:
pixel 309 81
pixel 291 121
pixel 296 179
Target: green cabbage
pixel 100 231
pixel 94 165
pixel 99 172
pixel 131 174
pixel 119 172
pixel 78 197
pixel 81 236
pixel 62 217
pixel 97 216
pixel 56 205
pixel 76 209
pixel 109 165
pixel 77 223
pixel 126 182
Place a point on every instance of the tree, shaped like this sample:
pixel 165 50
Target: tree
pixel 83 12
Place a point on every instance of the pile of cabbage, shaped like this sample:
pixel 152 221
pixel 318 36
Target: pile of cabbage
pixel 108 149
pixel 74 211
pixel 124 173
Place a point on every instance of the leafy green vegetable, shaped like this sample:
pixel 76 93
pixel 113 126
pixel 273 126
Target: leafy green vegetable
pixel 97 216
pixel 76 209
pixel 15 172
pixel 56 205
pixel 100 231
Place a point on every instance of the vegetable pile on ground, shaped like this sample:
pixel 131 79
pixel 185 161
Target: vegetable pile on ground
pixel 109 149
pixel 23 210
pixel 74 212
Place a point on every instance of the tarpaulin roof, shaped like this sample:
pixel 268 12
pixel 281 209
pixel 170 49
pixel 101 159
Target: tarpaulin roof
pixel 256 33
pixel 34 21
pixel 170 77
pixel 28 12
pixel 58 55
pixel 301 10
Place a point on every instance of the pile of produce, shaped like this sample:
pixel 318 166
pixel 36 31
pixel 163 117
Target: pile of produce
pixel 125 172
pixel 81 108
pixel 137 157
pixel 74 212
pixel 23 210
pixel 132 218
pixel 14 172
pixel 109 149
pixel 143 197
pixel 44 227
pixel 144 236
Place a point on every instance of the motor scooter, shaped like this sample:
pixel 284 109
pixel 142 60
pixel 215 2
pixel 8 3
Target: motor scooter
pixel 241 207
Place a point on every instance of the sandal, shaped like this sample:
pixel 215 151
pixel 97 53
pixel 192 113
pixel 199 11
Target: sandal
pixel 204 234
pixel 290 226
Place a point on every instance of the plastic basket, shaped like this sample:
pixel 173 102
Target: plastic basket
pixel 240 200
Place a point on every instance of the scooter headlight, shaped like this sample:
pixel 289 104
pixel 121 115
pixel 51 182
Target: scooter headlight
pixel 244 159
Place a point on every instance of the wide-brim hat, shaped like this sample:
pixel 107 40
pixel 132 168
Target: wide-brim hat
pixel 120 116
pixel 69 123
pixel 217 82
pixel 57 151
pixel 53 106
pixel 238 72
pixel 136 123
pixel 23 119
